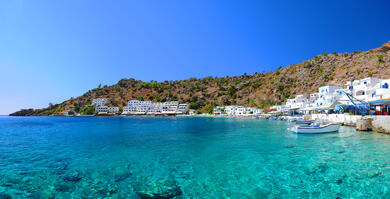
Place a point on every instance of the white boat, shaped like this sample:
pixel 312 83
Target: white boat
pixel 326 128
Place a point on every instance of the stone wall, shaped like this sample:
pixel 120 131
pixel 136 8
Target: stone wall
pixel 379 124
pixel 346 119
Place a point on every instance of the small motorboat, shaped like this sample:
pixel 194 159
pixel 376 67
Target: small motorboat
pixel 316 129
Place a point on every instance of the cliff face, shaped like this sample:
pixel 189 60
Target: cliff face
pixel 260 89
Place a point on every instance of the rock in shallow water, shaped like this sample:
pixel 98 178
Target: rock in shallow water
pixel 5 196
pixel 64 187
pixel 167 194
pixel 160 190
pixel 121 177
pixel 74 176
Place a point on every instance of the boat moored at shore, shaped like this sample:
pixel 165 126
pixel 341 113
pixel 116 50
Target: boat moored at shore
pixel 317 129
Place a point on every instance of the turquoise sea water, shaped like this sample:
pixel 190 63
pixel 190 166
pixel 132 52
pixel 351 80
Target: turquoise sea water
pixel 139 157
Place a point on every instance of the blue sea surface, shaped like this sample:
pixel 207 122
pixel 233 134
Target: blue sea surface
pixel 168 157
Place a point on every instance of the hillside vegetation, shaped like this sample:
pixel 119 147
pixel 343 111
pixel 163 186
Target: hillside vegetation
pixel 259 89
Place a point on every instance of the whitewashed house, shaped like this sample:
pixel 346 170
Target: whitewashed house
pixel 106 109
pixel 370 89
pixel 155 108
pixel 312 101
pixel 147 107
pixel 182 108
pixel 170 107
pixel 299 102
pixel 113 110
pixel 254 111
pixel 313 98
pixel 191 112
pixel 364 89
pixel 282 109
pixel 101 109
pixel 240 110
pixel 99 101
pixel 230 110
pixel 382 90
pixel 129 110
pixel 136 107
pixel 328 96
pixel 219 110
pixel 144 106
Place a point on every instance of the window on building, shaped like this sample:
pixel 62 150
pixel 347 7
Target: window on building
pixel 385 85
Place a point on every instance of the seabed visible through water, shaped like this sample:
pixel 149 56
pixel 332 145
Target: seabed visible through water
pixel 138 157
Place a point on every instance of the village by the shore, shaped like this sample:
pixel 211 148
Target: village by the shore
pixel 368 97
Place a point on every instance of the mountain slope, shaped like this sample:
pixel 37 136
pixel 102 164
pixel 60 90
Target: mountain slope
pixel 260 89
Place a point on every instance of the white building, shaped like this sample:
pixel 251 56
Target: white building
pixel 230 110
pixel 369 89
pixel 182 108
pixel 219 110
pixel 254 111
pixel 137 107
pixel 299 102
pixel 237 110
pixel 106 109
pixel 147 107
pixel 101 109
pixel 191 112
pixel 313 97
pixel 382 90
pixel 240 110
pixel 113 109
pixel 281 109
pixel 364 89
pixel 170 107
pixel 155 108
pixel 129 110
pixel 99 101
pixel 327 96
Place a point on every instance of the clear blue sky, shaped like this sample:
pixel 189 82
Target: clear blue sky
pixel 53 50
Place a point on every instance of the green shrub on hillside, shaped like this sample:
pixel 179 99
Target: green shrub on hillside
pixel 358 70
pixel 76 108
pixel 88 110
pixel 326 77
pixel 208 108
pixel 380 59
pixel 308 64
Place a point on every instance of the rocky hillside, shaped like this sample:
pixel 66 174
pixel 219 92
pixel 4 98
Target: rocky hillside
pixel 260 89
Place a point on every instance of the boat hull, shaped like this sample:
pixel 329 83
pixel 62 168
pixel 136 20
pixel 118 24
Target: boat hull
pixel 329 128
